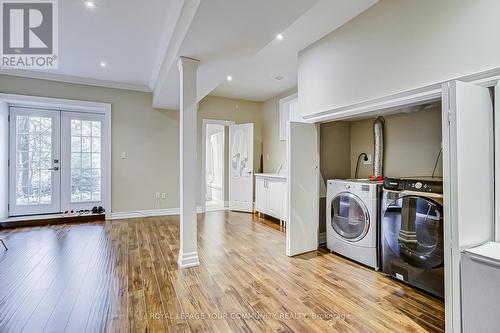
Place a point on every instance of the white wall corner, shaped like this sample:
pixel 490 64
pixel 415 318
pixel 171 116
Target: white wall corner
pixel 167 57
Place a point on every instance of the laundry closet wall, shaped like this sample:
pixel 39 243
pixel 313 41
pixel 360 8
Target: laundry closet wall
pixel 411 144
pixel 334 159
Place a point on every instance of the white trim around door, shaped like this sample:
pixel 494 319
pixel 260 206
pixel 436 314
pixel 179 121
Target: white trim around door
pixel 67 105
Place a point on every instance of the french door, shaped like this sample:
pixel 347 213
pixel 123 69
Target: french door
pixel 55 161
pixel 34 162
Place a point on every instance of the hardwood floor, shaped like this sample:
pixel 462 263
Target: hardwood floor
pixel 122 276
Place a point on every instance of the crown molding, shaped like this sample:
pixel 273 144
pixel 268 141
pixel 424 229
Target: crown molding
pixel 74 80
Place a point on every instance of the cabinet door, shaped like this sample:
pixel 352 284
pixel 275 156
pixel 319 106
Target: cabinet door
pixel 260 195
pixel 275 203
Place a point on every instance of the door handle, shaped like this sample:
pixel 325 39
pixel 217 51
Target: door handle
pixel 53 169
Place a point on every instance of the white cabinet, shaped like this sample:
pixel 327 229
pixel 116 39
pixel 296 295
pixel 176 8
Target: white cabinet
pixel 260 194
pixel 270 195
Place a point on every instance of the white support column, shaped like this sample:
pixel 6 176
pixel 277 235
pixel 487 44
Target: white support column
pixel 188 251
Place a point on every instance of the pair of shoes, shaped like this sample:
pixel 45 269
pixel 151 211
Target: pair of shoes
pixel 69 212
pixel 98 210
pixel 83 212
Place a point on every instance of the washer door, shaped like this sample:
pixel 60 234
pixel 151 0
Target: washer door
pixel 349 217
pixel 413 229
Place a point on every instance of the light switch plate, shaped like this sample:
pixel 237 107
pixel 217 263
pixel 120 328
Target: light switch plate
pixel 123 155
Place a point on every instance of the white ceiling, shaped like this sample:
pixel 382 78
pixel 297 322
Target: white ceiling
pixel 222 35
pixel 141 43
pixel 122 33
pixel 256 79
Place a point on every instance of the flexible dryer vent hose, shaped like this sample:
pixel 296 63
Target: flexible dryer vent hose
pixel 378 139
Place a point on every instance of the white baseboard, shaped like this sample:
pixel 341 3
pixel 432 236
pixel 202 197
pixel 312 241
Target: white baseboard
pixel 147 213
pixel 189 259
pixel 322 238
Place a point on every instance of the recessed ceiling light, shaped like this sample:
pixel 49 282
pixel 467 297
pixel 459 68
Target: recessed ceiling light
pixel 102 64
pixel 279 77
pixel 279 37
pixel 229 78
pixel 90 4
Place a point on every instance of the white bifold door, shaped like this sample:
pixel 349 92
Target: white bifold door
pixel 303 189
pixel 241 167
pixel 55 161
pixel 468 170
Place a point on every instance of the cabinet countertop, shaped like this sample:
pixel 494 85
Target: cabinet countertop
pixel 270 175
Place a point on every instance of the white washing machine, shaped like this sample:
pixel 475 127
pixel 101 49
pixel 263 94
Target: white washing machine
pixel 352 226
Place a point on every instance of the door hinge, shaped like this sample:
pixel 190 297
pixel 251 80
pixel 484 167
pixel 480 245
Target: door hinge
pixel 449 118
pixel 8 118
pixel 8 162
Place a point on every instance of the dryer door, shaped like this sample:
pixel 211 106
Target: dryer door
pixel 413 228
pixel 349 216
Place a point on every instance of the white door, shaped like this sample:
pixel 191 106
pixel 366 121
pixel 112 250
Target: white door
pixel 468 163
pixel 82 166
pixel 303 189
pixel 34 184
pixel 241 167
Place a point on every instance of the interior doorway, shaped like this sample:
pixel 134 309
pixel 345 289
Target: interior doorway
pixel 214 173
pixel 214 167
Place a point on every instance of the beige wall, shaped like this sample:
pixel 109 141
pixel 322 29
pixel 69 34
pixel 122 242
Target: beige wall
pixel 149 136
pixel 274 150
pixel 239 111
pixel 412 142
pixel 335 150
pixel 334 159
pixel 398 45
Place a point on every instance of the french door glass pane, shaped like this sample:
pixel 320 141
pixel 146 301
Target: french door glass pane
pixel 33 159
pixel 85 160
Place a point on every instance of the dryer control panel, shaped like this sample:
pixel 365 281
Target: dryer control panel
pixel 431 185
